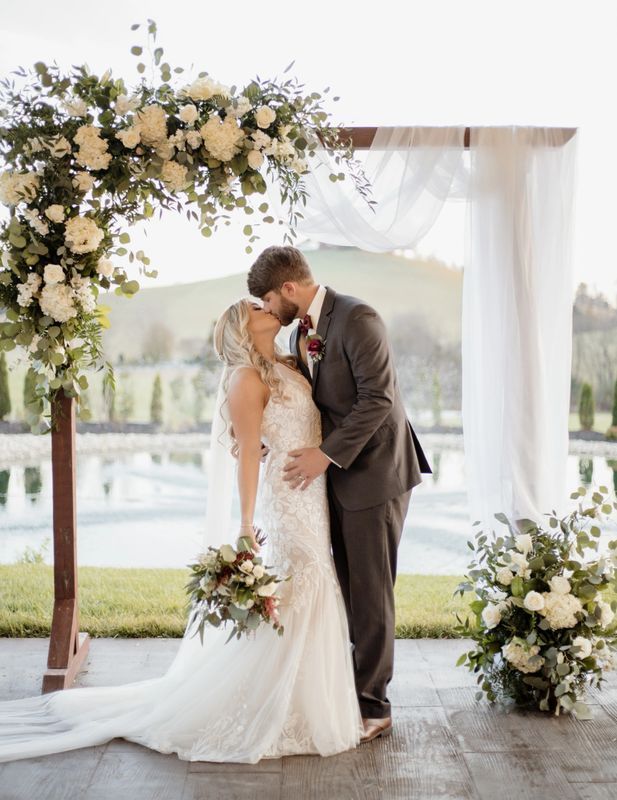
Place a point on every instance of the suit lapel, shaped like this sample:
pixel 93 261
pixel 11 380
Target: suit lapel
pixel 322 329
pixel 294 346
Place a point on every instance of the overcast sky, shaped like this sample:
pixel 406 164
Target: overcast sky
pixel 481 62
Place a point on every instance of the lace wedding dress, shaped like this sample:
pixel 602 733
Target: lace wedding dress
pixel 261 697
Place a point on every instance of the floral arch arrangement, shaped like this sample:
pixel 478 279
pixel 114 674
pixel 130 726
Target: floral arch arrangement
pixel 84 158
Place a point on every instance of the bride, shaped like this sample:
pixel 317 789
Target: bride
pixel 260 697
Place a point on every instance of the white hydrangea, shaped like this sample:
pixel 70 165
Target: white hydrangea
pixel 56 301
pixel 519 654
pixel 178 140
pixel 560 609
pixel 283 151
pixel 505 576
pixel 34 145
pixel 260 139
pixel 35 222
pixel 205 88
pixel 123 104
pixel 222 138
pixel 92 148
pixel 189 114
pixel 34 344
pixel 82 235
pixel 16 187
pixel 53 273
pixel 174 175
pixel 131 137
pixel 524 542
pixel 82 293
pixel 152 121
pixel 264 116
pixel 533 601
pixel 55 213
pixel 105 267
pixel 26 291
pixel 559 584
pixel 241 107
pixel 299 165
pixel 255 159
pixel 83 182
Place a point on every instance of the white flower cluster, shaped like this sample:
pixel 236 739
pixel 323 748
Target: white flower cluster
pixel 83 182
pixel 75 106
pixel 519 654
pixel 16 187
pixel 82 235
pixel 222 138
pixel 35 222
pixel 152 125
pixel 174 175
pixel 205 88
pixel 29 289
pixel 56 301
pixel 265 116
pixel 92 148
pixel 82 293
pixel 59 147
pixel 123 104
pixel 240 107
pixel 560 609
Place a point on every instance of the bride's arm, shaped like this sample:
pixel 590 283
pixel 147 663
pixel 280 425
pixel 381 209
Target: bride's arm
pixel 247 396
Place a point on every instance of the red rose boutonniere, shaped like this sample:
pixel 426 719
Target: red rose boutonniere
pixel 315 346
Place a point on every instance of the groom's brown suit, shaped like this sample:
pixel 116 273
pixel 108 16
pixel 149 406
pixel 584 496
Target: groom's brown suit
pixel 366 432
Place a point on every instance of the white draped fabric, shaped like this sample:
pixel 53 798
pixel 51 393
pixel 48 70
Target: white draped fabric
pixel 518 183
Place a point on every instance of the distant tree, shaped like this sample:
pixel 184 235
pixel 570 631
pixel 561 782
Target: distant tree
pixel 436 400
pixel 614 422
pixel 586 408
pixel 109 401
pixel 29 384
pixel 158 343
pixel 5 396
pixel 126 399
pixel 156 406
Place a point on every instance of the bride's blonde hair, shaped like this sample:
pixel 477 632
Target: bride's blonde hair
pixel 235 348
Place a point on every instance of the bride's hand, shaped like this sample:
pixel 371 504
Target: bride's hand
pixel 250 532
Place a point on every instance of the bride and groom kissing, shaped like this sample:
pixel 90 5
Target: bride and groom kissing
pixel 341 460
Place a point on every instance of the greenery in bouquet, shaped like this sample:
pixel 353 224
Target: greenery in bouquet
pixel 542 629
pixel 234 586
pixel 83 157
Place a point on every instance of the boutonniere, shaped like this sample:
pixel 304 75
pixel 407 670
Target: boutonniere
pixel 315 346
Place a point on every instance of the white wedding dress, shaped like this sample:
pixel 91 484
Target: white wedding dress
pixel 262 697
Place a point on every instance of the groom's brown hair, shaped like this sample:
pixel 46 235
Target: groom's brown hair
pixel 276 265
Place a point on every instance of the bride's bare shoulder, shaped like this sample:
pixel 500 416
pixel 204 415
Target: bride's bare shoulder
pixel 245 384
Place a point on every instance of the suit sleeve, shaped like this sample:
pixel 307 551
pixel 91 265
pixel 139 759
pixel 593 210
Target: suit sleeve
pixel 366 346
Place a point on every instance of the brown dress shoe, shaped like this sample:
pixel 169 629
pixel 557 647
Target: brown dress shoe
pixel 376 727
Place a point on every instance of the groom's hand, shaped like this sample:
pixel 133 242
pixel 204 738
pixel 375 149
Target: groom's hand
pixel 306 464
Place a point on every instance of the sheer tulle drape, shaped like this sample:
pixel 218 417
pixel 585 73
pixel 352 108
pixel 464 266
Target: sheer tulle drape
pixel 518 186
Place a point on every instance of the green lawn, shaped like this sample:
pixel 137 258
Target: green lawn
pixel 151 602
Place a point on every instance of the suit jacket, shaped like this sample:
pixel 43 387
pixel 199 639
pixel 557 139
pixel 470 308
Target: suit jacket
pixel 364 425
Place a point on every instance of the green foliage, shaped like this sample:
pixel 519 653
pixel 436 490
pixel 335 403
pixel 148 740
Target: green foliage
pixel 586 409
pixel 536 599
pixel 156 405
pixel 5 396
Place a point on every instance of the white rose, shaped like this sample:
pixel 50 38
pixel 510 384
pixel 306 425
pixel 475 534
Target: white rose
pixel 189 114
pixel 584 646
pixel 260 140
pixel 299 165
pixel 533 601
pixel 83 182
pixel 491 615
pixel 255 159
pixel 505 576
pixel 82 235
pixel 244 606
pixel 75 106
pixel 559 584
pixel 246 566
pixel 249 580
pixel 130 138
pixel 55 213
pixel 228 553
pixel 104 267
pixel 264 117
pixel 39 225
pixel 524 542
pixel 267 590
pixel 519 561
pixel 59 147
pixel 53 273
pixel 258 571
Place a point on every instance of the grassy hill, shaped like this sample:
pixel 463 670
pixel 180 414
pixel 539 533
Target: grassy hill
pixel 392 284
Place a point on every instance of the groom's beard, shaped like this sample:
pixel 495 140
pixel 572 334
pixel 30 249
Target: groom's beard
pixel 288 311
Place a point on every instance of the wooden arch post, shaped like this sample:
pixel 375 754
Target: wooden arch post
pixel 68 647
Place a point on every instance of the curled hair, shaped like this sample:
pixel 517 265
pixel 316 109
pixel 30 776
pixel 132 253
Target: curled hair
pixel 235 348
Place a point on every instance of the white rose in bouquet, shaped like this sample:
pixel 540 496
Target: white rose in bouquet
pixel 584 646
pixel 267 590
pixel 533 601
pixel 255 159
pixel 258 571
pixel 559 584
pixel 607 613
pixel 131 137
pixel 123 104
pixel 55 213
pixel 83 182
pixel 105 267
pixel 264 117
pixel 53 273
pixel 189 114
pixel 524 542
pixel 504 576
pixel 491 615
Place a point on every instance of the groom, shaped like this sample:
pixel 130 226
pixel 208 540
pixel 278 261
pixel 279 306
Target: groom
pixel 369 452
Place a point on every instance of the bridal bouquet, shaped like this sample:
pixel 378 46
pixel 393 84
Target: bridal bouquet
pixel 543 629
pixel 233 585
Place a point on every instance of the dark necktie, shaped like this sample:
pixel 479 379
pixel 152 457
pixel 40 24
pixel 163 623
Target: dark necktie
pixel 304 325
